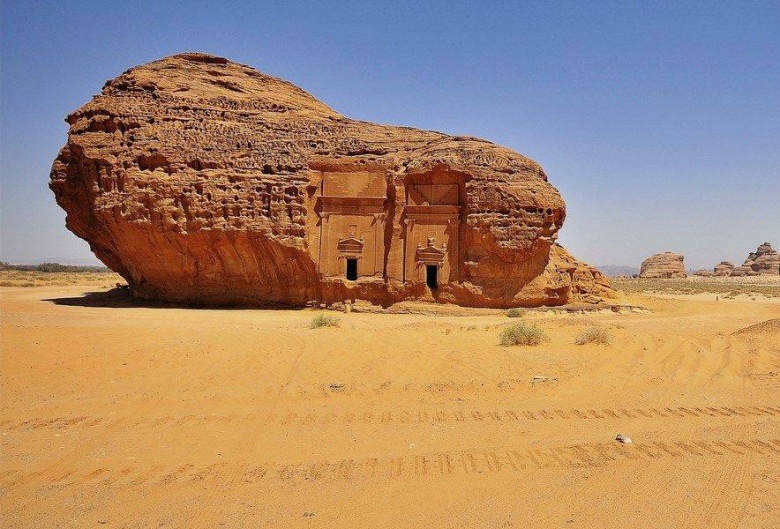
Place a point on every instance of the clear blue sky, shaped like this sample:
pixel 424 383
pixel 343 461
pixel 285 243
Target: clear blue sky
pixel 659 122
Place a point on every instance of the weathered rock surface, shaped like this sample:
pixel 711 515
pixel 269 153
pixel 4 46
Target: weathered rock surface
pixel 204 181
pixel 724 268
pixel 665 265
pixel 764 261
pixel 703 273
pixel 741 271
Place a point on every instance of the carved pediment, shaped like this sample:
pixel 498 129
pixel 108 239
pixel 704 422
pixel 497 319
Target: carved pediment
pixel 350 245
pixel 431 254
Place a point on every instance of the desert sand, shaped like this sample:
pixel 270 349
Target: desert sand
pixel 116 414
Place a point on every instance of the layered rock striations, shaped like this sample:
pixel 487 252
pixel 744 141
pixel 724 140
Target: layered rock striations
pixel 204 181
pixel 764 261
pixel 665 265
pixel 723 269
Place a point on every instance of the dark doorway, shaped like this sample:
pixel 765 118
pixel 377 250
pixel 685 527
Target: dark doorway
pixel 352 269
pixel 432 276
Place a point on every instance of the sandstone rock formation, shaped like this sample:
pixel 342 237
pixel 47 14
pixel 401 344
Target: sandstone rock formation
pixel 665 265
pixel 204 181
pixel 724 268
pixel 703 273
pixel 764 261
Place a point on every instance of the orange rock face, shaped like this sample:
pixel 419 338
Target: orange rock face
pixel 204 181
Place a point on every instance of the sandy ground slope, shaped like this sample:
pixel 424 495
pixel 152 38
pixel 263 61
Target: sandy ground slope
pixel 128 416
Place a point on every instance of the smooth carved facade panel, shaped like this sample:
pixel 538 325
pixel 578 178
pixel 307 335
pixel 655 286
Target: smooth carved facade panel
pixel 351 208
pixel 358 184
pixel 340 228
pixel 354 209
pixel 431 226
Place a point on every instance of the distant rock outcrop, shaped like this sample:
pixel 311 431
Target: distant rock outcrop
pixel 703 272
pixel 618 270
pixel 764 261
pixel 665 265
pixel 204 181
pixel 723 269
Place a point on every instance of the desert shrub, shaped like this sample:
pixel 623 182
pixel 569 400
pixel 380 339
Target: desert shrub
pixel 324 320
pixel 515 313
pixel 597 335
pixel 522 334
pixel 51 267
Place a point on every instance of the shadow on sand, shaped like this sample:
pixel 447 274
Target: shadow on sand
pixel 120 298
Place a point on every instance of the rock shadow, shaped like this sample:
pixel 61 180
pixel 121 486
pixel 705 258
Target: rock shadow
pixel 121 298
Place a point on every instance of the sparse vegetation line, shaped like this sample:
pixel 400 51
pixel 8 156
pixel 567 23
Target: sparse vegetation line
pixel 52 267
pixel 728 287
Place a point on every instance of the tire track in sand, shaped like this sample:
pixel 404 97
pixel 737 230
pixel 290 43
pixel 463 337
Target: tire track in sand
pixel 409 416
pixel 438 465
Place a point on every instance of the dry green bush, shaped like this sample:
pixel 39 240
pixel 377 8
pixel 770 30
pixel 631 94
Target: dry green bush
pixel 597 335
pixel 522 334
pixel 324 320
pixel 515 313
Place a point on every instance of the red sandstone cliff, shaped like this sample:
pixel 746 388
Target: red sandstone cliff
pixel 204 181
